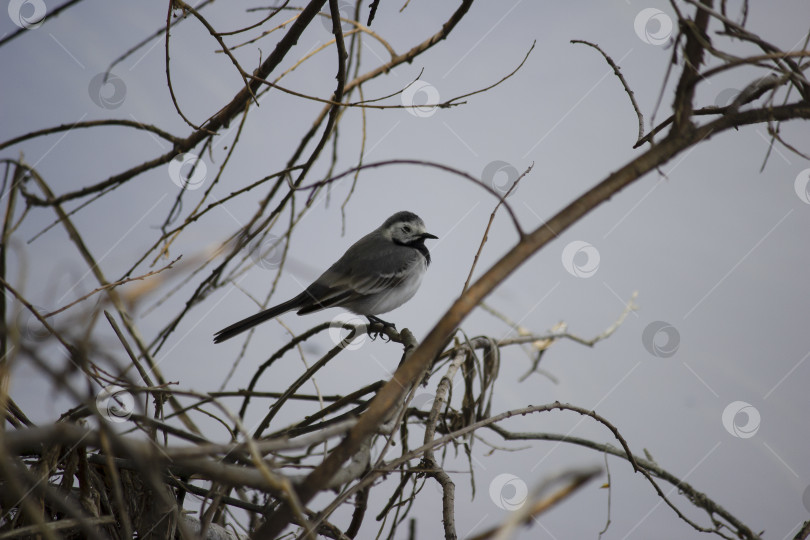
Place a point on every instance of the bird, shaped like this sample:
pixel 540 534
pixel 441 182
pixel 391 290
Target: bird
pixel 377 274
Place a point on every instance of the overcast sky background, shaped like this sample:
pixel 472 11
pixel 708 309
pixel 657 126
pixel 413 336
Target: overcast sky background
pixel 716 249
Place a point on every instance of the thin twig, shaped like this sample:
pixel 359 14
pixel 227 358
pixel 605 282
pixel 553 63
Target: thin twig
pixel 617 71
pixel 489 224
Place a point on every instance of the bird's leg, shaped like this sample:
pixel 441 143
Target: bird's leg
pixel 372 319
pixel 376 320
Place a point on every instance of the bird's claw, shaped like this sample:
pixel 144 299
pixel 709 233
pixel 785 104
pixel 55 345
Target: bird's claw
pixel 376 321
pixel 374 334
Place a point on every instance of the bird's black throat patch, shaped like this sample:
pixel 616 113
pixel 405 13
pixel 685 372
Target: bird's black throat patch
pixel 419 245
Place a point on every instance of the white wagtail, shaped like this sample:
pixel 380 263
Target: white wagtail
pixel 378 273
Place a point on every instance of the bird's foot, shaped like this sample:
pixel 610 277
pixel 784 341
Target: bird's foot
pixel 376 321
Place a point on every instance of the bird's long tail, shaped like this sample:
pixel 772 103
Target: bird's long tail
pixel 248 323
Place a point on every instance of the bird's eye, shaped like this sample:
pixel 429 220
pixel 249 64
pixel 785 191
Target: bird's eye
pixel 406 229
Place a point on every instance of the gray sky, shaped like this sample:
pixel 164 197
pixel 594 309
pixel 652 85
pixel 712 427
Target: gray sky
pixel 716 249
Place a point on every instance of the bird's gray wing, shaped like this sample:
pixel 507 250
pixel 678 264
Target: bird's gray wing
pixel 373 265
pixel 370 266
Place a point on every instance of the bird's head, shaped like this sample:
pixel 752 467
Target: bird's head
pixel 405 228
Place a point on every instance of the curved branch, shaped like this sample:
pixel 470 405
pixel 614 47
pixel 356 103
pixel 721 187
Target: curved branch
pixel 440 166
pixel 697 498
pixel 92 123
pixel 626 86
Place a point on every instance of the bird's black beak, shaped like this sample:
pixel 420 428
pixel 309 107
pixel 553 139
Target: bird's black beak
pixel 428 235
